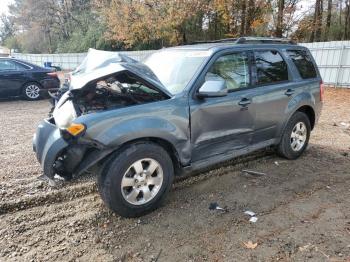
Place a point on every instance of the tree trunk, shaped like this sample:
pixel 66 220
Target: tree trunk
pixel 329 18
pixel 318 34
pixel 279 24
pixel 347 20
pixel 250 17
pixel 340 11
pixel 317 23
pixel 243 17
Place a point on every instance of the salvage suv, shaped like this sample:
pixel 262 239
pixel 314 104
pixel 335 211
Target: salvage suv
pixel 182 109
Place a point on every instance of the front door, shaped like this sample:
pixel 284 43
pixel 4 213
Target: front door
pixel 224 124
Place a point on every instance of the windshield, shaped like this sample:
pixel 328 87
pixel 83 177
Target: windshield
pixel 175 68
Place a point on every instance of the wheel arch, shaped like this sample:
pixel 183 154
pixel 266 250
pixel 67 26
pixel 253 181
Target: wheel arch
pixel 307 109
pixel 310 112
pixel 165 144
pixel 31 82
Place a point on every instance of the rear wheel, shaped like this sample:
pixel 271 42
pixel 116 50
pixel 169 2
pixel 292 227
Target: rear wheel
pixel 295 136
pixel 137 179
pixel 31 91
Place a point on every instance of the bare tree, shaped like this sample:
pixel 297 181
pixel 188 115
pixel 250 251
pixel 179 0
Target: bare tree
pixel 347 20
pixel 243 17
pixel 317 22
pixel 250 17
pixel 329 18
pixel 279 24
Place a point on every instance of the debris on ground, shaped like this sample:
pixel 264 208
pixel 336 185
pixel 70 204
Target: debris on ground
pixel 304 248
pixel 249 213
pixel 253 217
pixel 276 163
pixel 345 125
pixel 74 216
pixel 250 245
pixel 215 206
pixel 254 173
pixel 160 252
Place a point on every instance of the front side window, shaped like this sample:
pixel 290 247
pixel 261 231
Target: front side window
pixel 303 63
pixel 270 67
pixel 234 68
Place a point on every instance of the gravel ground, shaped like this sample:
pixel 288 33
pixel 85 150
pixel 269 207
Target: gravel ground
pixel 303 206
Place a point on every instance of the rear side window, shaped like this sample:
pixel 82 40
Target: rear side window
pixel 270 67
pixel 303 62
pixel 6 65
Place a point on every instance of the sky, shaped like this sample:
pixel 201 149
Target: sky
pixel 4 6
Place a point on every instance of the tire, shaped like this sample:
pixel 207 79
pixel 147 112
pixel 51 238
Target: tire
pixel 31 91
pixel 299 127
pixel 117 185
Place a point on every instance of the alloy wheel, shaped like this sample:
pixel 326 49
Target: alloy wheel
pixel 298 136
pixel 32 91
pixel 142 181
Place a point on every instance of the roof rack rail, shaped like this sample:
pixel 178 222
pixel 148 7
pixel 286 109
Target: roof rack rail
pixel 249 40
pixel 214 41
pixel 264 40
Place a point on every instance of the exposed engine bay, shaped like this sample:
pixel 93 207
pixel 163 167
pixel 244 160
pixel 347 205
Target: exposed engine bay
pixel 111 92
pixel 114 92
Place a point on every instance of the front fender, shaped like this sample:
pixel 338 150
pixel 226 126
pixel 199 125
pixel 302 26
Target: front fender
pixel 167 120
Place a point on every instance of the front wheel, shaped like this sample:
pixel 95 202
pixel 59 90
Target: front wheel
pixel 31 91
pixel 137 179
pixel 295 137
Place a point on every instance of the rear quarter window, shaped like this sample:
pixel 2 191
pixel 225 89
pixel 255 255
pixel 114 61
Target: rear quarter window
pixel 303 63
pixel 20 66
pixel 270 67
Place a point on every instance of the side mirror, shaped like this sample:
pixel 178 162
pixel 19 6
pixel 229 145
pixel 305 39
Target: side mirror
pixel 213 87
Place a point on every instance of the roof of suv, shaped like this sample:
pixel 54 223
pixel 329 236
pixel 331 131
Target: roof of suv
pixel 240 42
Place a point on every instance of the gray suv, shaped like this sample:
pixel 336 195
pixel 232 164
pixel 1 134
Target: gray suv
pixel 181 109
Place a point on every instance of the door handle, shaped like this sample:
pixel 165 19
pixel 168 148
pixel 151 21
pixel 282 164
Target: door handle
pixel 245 102
pixel 289 92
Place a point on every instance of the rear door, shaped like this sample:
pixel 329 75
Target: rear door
pixel 223 124
pixel 12 77
pixel 274 88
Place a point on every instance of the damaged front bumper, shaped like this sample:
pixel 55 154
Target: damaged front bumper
pixel 65 158
pixel 48 144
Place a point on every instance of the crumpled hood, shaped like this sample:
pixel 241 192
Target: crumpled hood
pixel 98 64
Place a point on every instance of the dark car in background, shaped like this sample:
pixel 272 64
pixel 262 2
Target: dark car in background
pixel 19 78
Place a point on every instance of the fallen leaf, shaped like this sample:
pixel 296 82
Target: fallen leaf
pixel 250 245
pixel 304 247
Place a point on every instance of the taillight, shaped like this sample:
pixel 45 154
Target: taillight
pixel 321 91
pixel 52 74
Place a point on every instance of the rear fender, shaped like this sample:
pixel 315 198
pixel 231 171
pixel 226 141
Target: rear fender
pixel 300 100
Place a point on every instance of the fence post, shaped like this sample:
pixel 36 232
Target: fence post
pixel 339 65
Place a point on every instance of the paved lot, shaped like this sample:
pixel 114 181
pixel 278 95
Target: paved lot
pixel 303 206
